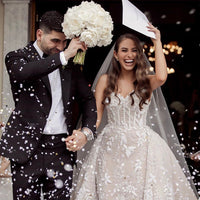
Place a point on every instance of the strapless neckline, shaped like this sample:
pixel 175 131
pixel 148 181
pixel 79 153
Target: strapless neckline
pixel 124 97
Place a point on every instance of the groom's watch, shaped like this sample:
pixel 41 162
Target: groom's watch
pixel 88 133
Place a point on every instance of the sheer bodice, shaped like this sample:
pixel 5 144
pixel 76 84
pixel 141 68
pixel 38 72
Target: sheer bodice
pixel 122 114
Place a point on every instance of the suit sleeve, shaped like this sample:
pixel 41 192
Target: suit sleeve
pixel 87 101
pixel 22 66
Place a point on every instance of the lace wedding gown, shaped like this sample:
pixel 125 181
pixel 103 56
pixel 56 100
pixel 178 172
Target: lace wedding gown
pixel 129 161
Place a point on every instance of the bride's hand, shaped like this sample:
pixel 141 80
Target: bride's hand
pixel 155 30
pixel 76 141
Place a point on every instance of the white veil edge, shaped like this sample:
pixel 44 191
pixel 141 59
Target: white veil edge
pixel 158 118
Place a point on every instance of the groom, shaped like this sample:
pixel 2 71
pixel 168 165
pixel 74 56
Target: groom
pixel 46 86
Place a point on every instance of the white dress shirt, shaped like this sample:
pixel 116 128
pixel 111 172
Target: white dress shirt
pixel 56 119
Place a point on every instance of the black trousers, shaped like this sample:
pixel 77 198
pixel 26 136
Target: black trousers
pixel 49 170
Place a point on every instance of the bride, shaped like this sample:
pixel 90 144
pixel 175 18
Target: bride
pixel 129 160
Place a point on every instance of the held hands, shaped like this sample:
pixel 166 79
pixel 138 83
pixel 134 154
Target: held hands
pixel 76 141
pixel 4 164
pixel 74 45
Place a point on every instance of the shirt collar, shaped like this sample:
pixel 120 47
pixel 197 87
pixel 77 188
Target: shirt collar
pixel 40 52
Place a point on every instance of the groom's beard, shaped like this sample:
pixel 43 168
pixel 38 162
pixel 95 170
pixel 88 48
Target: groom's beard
pixel 51 51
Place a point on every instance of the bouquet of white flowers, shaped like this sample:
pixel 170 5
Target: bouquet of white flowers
pixel 91 23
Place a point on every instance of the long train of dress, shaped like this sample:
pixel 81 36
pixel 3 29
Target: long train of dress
pixel 129 161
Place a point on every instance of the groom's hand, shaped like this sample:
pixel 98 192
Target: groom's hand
pixel 76 141
pixel 74 45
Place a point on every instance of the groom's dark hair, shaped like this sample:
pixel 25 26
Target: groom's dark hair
pixel 51 20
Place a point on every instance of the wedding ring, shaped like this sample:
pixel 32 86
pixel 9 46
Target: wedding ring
pixel 74 145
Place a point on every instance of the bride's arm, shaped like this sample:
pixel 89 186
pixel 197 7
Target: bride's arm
pixel 99 96
pixel 160 63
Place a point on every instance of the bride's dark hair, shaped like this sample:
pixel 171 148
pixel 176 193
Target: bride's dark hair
pixel 141 84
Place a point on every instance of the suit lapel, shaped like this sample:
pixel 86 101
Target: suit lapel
pixel 65 74
pixel 45 80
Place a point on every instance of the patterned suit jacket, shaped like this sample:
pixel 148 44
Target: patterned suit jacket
pixel 31 91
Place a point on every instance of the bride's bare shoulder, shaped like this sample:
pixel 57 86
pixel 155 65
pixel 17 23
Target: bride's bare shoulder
pixel 103 77
pixel 102 81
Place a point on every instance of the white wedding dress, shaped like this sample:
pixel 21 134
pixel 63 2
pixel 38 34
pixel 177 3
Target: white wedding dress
pixel 129 161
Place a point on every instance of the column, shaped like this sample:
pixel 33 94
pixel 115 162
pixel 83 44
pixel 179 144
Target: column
pixel 16 35
pixel 16 32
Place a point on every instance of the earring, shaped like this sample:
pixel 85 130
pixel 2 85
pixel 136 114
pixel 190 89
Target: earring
pixel 117 59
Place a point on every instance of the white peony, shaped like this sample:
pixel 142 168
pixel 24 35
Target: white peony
pixel 90 22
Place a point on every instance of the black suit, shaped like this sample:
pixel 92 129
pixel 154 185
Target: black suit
pixel 32 96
